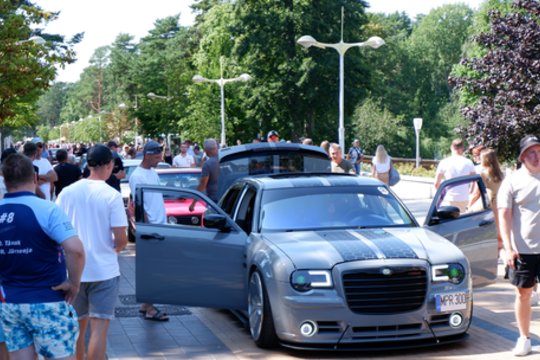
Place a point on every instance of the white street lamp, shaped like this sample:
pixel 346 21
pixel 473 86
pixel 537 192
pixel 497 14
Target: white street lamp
pixel 417 122
pixel 152 95
pixel 38 40
pixel 341 47
pixel 221 82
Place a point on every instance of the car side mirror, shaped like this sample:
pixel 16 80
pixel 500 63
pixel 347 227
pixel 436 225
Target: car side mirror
pixel 448 212
pixel 216 221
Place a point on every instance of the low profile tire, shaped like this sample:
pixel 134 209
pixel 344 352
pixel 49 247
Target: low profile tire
pixel 261 322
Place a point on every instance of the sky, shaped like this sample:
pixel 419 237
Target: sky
pixel 103 20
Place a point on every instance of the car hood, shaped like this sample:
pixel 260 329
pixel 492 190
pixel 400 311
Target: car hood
pixel 323 249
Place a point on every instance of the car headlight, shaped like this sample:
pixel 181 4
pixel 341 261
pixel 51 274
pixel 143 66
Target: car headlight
pixel 452 273
pixel 172 220
pixel 305 280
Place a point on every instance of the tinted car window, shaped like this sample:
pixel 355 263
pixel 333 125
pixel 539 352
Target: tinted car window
pixel 362 207
pixel 266 163
pixel 183 180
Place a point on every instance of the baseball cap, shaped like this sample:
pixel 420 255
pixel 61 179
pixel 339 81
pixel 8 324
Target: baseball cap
pixel 272 133
pixel 112 143
pixel 152 147
pixel 527 142
pixel 99 155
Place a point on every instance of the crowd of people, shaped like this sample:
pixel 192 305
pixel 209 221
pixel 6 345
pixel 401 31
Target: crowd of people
pixel 61 229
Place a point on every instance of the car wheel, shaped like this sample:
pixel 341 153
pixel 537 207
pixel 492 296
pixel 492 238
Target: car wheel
pixel 261 322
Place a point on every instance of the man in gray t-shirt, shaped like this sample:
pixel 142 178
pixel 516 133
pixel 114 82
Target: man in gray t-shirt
pixel 518 201
pixel 210 170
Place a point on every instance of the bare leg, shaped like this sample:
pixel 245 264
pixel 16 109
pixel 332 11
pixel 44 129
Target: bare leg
pixel 81 347
pixel 28 353
pixel 523 310
pixel 97 346
pixel 3 351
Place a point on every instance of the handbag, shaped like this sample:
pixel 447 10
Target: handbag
pixel 394 176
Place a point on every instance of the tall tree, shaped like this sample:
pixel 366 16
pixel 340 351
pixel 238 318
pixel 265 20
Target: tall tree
pixel 505 80
pixel 26 66
pixel 435 45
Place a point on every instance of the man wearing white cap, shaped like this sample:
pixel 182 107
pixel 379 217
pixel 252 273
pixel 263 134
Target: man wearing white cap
pixel 519 215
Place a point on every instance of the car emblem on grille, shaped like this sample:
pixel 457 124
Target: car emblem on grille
pixel 386 271
pixel 194 220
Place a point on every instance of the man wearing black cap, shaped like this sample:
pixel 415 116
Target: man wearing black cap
pixel 97 212
pixel 118 172
pixel 154 206
pixel 519 208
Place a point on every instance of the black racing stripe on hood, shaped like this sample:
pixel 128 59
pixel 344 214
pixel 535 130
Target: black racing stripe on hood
pixel 349 246
pixel 391 246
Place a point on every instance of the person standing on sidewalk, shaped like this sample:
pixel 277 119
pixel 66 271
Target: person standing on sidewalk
pixel 154 206
pixel 355 156
pixel 451 167
pixel 339 164
pixel 97 212
pixel 518 201
pixel 41 260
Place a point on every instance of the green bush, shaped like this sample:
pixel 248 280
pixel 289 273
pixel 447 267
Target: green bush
pixel 407 169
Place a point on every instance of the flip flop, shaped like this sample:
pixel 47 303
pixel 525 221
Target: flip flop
pixel 158 316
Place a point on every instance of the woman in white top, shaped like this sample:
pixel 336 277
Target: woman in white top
pixel 381 165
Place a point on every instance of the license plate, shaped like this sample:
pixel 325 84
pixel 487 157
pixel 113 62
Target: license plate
pixel 451 301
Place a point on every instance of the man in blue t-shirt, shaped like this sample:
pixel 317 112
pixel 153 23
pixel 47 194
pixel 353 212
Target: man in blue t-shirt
pixel 41 261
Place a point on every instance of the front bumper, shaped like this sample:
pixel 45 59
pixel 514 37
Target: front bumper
pixel 340 328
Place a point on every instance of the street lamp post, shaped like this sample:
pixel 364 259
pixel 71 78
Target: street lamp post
pixel 135 107
pixel 417 122
pixel 221 82
pixel 341 47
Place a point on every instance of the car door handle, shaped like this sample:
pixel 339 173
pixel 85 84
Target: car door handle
pixel 153 236
pixel 486 222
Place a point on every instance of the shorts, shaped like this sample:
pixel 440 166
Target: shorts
pixel 52 327
pixel 97 299
pixel 526 272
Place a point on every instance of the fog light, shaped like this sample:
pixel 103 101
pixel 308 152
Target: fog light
pixel 456 320
pixel 308 328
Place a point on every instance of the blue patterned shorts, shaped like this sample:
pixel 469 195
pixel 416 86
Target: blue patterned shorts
pixel 53 328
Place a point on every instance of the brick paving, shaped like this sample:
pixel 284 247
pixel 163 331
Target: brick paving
pixel 195 333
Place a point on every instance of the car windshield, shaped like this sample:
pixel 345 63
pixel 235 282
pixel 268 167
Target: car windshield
pixel 181 180
pixel 326 208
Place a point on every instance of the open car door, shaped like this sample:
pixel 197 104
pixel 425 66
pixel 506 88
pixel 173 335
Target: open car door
pixel 473 231
pixel 196 259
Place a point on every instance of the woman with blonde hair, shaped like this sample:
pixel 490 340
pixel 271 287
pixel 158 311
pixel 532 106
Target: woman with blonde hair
pixel 381 165
pixel 492 175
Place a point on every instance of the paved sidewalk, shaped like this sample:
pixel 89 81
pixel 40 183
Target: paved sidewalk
pixel 184 336
pixel 194 333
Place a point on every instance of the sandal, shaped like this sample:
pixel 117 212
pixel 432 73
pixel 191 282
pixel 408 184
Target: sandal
pixel 158 316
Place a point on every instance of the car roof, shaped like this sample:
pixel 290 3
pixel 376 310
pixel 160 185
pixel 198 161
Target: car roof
pixel 311 180
pixel 179 170
pixel 137 162
pixel 232 152
pixel 131 162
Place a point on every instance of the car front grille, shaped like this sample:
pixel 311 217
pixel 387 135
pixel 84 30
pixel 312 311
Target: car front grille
pixel 385 290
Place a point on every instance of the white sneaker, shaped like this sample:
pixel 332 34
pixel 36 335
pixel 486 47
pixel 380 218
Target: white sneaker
pixel 534 298
pixel 523 347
